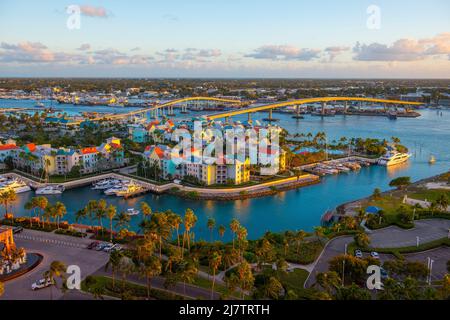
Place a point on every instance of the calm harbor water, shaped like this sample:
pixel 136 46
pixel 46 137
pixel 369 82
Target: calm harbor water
pixel 301 208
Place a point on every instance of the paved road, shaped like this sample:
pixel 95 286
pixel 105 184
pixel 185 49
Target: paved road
pixel 391 237
pixel 439 255
pixel 394 237
pixel 66 249
pixel 189 290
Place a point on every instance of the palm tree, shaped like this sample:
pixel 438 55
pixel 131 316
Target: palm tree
pixel 215 260
pixel 114 262
pixel 175 221
pixel 319 233
pixel 41 203
pixel 328 280
pixel 211 223
pixel 122 220
pixel 111 212
pixel 160 226
pixel 100 212
pixel 189 222
pixel 146 210
pixel 126 267
pixel 59 211
pixel 221 230
pixel 273 288
pixel 91 207
pixel 299 237
pixel 6 197
pixel 245 278
pixel 57 270
pixel 362 239
pixel 149 269
pixel 30 205
pixel 442 202
pixel 234 227
pixel 187 272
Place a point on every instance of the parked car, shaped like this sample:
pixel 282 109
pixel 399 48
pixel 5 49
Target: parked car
pixel 375 255
pixel 117 248
pixel 101 246
pixel 384 273
pixel 109 247
pixel 358 253
pixel 18 229
pixel 41 284
pixel 93 245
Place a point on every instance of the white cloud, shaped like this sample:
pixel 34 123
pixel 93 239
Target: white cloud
pixel 283 52
pixel 404 49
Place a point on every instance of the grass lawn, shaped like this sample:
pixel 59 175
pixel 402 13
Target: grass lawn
pixel 429 195
pixel 294 281
pixel 219 288
pixel 133 290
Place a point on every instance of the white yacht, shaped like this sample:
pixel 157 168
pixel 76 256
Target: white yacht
pixel 132 212
pixel 113 190
pixel 393 157
pixel 49 190
pixel 16 185
pixel 105 184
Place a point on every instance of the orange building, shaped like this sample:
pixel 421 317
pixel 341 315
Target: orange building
pixel 6 238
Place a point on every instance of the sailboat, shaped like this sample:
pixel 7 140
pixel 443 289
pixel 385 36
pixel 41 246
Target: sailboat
pixel 432 159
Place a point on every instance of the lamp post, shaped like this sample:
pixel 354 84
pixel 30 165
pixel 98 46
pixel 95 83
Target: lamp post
pixel 417 241
pixel 343 264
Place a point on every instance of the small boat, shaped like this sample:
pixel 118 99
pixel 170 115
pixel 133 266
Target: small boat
pixel 128 189
pixel 49 190
pixel 132 212
pixel 392 115
pixel 16 185
pixel 113 190
pixel 432 159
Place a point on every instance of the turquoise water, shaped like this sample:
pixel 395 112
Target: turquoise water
pixel 301 208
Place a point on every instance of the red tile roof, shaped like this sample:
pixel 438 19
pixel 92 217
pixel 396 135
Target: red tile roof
pixel 89 150
pixel 8 147
pixel 31 147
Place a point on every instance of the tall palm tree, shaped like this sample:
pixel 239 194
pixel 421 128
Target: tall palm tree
pixel 299 237
pixel 189 222
pixel 41 203
pixel 114 262
pixel 57 269
pixel 221 230
pixel 111 212
pixel 175 221
pixel 122 220
pixel 146 210
pixel 149 269
pixel 100 212
pixel 234 227
pixel 215 260
pixel 60 211
pixel 187 272
pixel 319 233
pixel 6 197
pixel 211 223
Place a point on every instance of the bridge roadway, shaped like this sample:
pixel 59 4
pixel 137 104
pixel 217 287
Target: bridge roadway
pixel 169 105
pixel 299 102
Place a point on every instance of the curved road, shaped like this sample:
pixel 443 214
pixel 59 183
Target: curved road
pixel 390 237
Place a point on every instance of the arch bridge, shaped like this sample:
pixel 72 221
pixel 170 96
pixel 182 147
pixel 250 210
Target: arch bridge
pixel 169 106
pixel 298 103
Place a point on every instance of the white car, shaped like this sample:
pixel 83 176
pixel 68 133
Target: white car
pixel 375 255
pixel 358 253
pixel 41 284
pixel 109 247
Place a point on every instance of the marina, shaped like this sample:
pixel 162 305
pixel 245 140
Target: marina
pixel 300 208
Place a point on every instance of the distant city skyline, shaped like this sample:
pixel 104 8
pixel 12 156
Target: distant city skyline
pixel 226 39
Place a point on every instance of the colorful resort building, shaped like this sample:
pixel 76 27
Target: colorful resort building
pixel 60 161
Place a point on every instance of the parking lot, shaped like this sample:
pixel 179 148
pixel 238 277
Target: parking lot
pixel 69 250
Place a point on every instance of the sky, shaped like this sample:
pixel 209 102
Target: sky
pixel 225 38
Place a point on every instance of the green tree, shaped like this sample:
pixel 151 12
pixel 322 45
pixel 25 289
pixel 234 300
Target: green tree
pixel 400 182
pixel 57 269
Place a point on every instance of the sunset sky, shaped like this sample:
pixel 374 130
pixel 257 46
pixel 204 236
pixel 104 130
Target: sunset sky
pixel 226 38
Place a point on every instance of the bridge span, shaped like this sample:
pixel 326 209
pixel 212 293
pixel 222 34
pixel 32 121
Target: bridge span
pixel 300 102
pixel 169 105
